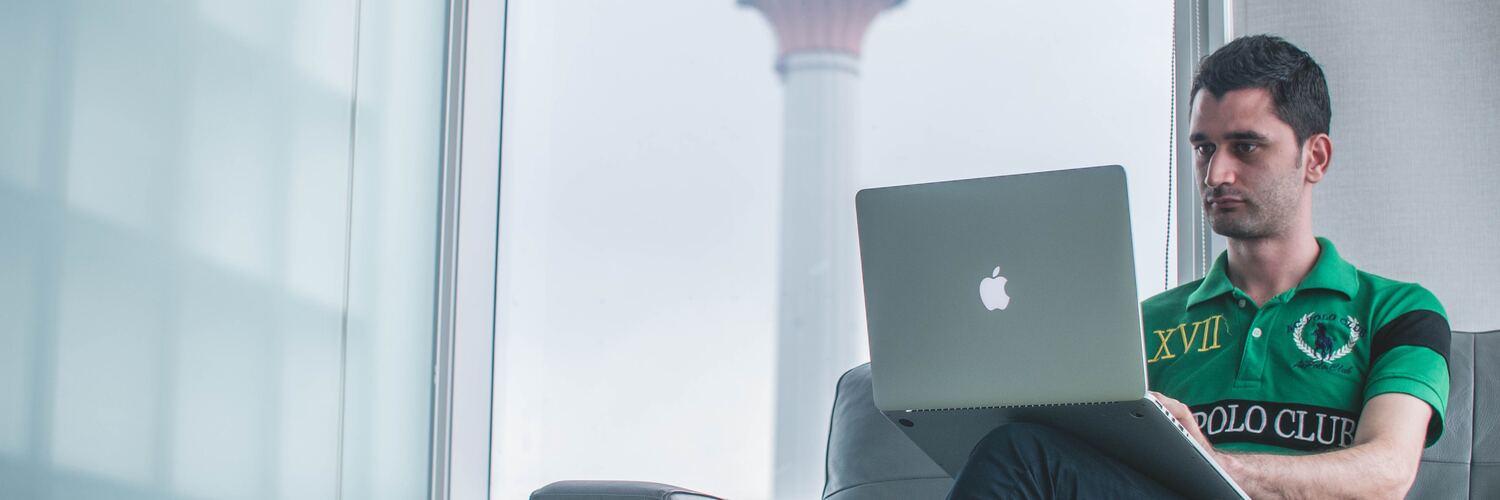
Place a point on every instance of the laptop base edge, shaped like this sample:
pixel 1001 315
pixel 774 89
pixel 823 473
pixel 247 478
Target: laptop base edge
pixel 1137 433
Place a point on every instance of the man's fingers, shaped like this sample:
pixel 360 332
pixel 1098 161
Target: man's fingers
pixel 1176 407
pixel 1184 416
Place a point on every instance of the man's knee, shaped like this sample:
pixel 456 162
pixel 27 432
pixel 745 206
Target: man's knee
pixel 1020 433
pixel 1017 439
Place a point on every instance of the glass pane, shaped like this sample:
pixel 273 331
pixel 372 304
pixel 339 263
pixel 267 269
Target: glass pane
pixel 175 208
pixel 678 276
pixel 393 250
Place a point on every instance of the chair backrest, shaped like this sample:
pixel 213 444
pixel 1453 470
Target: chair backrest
pixel 869 459
pixel 1465 463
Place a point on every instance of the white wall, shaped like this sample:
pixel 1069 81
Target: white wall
pixel 1409 194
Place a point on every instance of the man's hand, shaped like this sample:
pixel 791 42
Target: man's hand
pixel 1382 463
pixel 1184 416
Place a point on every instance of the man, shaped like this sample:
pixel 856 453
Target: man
pixel 1303 376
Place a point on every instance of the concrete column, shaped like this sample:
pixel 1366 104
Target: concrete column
pixel 821 315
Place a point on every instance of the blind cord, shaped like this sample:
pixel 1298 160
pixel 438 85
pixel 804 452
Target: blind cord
pixel 1201 221
pixel 1166 277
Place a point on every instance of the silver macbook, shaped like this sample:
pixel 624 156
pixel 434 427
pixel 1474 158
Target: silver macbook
pixel 1013 298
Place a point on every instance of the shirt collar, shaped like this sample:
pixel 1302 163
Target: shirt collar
pixel 1330 272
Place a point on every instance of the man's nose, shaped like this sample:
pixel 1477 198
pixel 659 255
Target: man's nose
pixel 1220 170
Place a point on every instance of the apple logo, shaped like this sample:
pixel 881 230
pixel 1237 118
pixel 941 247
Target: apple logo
pixel 992 291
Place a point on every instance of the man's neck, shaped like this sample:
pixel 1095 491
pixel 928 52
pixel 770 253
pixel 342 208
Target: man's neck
pixel 1266 267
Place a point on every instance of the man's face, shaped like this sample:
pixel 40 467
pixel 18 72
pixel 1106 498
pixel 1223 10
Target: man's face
pixel 1248 163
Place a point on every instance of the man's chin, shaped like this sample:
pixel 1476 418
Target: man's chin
pixel 1239 234
pixel 1236 230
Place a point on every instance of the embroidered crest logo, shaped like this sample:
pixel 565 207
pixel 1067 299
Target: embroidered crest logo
pixel 1322 349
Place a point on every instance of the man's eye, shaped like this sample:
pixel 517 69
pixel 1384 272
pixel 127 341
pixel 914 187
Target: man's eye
pixel 1246 148
pixel 1204 149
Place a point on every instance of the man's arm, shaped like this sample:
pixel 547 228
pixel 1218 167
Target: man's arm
pixel 1382 462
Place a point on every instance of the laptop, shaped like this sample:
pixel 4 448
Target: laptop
pixel 1013 299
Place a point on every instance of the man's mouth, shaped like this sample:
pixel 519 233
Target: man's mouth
pixel 1224 202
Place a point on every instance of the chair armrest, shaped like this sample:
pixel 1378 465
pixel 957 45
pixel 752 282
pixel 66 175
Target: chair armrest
pixel 616 490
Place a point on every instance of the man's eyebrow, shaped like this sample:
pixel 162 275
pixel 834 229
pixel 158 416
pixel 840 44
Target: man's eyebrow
pixel 1240 135
pixel 1246 135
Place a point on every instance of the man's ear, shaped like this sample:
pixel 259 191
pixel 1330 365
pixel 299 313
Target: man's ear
pixel 1317 153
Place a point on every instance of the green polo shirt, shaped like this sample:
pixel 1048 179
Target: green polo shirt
pixel 1293 374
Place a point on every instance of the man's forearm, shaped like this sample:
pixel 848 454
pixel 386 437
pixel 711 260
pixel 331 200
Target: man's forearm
pixel 1381 464
pixel 1362 471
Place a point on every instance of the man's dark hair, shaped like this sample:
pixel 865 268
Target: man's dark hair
pixel 1298 92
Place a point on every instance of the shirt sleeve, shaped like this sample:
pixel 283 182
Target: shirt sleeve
pixel 1410 357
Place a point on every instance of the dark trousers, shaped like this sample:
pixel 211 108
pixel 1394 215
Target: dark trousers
pixel 1036 462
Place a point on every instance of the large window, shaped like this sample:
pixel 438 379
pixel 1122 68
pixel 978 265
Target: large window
pixel 216 248
pixel 655 163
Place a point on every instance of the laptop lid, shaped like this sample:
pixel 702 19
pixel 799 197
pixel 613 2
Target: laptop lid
pixel 1059 321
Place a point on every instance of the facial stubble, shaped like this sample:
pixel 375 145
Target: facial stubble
pixel 1265 214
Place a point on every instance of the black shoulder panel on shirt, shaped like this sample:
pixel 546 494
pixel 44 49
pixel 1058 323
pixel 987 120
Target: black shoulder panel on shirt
pixel 1421 328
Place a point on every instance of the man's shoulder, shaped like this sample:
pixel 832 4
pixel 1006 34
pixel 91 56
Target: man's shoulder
pixel 1170 302
pixel 1389 298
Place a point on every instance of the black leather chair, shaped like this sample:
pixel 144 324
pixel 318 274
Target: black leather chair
pixel 869 459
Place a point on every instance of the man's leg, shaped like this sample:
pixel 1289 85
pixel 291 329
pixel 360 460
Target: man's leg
pixel 1035 461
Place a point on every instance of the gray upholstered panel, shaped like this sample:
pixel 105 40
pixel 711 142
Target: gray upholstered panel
pixel 868 458
pixel 1457 444
pixel 1410 194
pixel 1485 482
pixel 1441 481
pixel 906 489
pixel 1445 466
